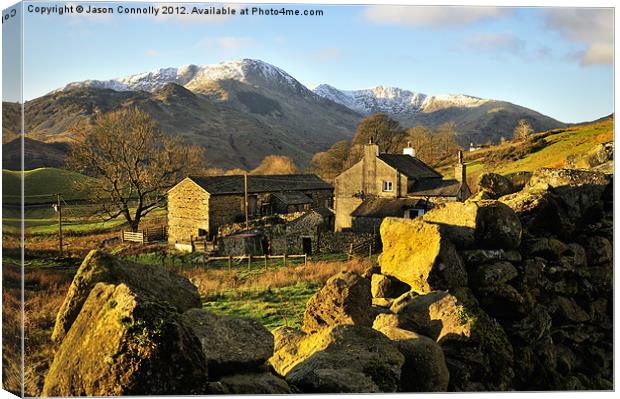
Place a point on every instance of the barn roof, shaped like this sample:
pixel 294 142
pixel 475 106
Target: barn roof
pixel 260 183
pixel 436 188
pixel 383 207
pixel 409 166
pixel 293 198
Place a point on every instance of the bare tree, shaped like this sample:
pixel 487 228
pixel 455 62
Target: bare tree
pixel 522 130
pixel 134 162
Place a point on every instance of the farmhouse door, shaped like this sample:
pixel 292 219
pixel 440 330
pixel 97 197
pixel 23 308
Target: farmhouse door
pixel 306 243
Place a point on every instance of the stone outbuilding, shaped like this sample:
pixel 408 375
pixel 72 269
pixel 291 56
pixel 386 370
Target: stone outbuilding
pixel 396 185
pixel 197 206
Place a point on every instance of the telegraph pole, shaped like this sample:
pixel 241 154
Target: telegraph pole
pixel 245 200
pixel 59 210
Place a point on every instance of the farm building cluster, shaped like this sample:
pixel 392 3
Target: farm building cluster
pixel 301 213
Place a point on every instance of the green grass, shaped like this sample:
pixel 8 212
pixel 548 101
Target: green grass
pixel 558 145
pixel 42 184
pixel 273 307
pixel 574 141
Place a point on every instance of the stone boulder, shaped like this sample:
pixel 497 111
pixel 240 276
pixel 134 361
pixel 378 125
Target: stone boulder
pixel 541 212
pixel 340 358
pixel 345 299
pixel 598 250
pixel 229 344
pixel 425 367
pixel 478 256
pixel 382 286
pixel 152 282
pixel 495 185
pixel 485 224
pixel 551 178
pixel 493 273
pixel 477 349
pixel 418 254
pixel 125 342
pixel 580 191
pixel 258 383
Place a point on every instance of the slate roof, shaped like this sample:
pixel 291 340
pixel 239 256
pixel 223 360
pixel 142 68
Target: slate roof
pixel 409 166
pixel 436 188
pixel 218 185
pixel 323 212
pixel 383 207
pixel 293 198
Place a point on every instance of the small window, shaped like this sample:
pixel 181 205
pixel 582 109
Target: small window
pixel 387 185
pixel 202 232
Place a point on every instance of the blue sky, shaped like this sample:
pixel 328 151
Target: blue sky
pixel 555 61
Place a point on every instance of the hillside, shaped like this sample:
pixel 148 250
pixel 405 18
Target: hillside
pixel 42 184
pixel 244 110
pixel 236 132
pixel 476 119
pixel 37 154
pixel 551 148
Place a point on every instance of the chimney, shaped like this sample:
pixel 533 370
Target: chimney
pixel 369 168
pixel 371 150
pixel 409 150
pixel 460 170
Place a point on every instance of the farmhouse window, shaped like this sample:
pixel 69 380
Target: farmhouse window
pixel 387 185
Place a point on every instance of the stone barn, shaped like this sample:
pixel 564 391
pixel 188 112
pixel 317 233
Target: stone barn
pixel 197 206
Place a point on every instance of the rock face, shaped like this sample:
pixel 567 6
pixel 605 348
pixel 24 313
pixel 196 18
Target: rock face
pixel 485 295
pixel 130 329
pixel 152 282
pixel 124 343
pixel 340 358
pixel 228 343
pixel 345 299
pixel 478 351
pixel 483 224
pixel 250 383
pixel 425 367
pixel 387 287
pixel 495 185
pixel 416 253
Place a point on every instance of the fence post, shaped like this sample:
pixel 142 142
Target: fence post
pixel 249 261
pixel 284 259
pixel 229 263
pixel 370 252
pixel 265 262
pixel 305 259
pixel 123 235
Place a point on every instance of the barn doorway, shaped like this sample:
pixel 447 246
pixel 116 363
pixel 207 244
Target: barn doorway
pixel 306 243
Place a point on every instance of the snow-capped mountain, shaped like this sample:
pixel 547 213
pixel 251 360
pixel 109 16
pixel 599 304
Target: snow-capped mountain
pixel 394 101
pixel 243 110
pixel 194 76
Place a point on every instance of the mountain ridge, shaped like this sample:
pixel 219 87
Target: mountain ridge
pixel 244 110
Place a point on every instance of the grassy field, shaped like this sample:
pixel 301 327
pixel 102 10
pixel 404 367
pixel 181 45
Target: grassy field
pixel 545 149
pixel 41 185
pixel 276 296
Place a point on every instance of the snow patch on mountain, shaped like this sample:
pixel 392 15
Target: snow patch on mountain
pixel 393 100
pixel 245 70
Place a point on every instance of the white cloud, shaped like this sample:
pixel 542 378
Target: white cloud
pixel 230 43
pixel 432 16
pixel 152 53
pixel 591 27
pixel 329 54
pixel 495 42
